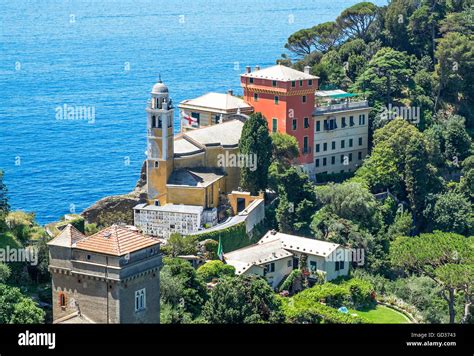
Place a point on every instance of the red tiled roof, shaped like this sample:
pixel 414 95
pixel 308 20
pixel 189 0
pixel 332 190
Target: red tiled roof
pixel 116 240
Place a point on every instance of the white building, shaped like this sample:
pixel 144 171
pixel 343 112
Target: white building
pixel 211 109
pixel 164 220
pixel 277 254
pixel 341 131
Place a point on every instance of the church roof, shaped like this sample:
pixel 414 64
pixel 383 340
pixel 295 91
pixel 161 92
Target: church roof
pixel 195 177
pixel 115 240
pixel 225 134
pixel 279 72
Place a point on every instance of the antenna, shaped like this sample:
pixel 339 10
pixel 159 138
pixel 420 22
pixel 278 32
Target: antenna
pixel 159 78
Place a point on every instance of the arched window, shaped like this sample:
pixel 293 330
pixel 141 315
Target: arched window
pixel 62 300
pixel 153 121
pixel 159 123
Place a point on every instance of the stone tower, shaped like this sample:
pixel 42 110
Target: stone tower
pixel 110 277
pixel 159 166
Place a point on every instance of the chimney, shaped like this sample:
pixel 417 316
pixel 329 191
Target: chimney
pixel 307 69
pixel 257 67
pixel 230 92
pixel 248 69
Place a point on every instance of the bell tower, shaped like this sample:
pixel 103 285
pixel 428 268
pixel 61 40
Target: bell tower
pixel 159 163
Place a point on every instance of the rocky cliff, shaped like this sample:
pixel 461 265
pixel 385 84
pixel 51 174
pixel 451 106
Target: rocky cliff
pixel 119 207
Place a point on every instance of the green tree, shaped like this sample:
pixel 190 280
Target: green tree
pixel 439 256
pixel 396 21
pixel 245 299
pixel 387 77
pixel 297 202
pixel 177 245
pixel 357 20
pixel 255 140
pixel 214 269
pixel 5 272
pixel 454 72
pixel 351 201
pixel 327 35
pixel 181 288
pixel 453 213
pixel 15 308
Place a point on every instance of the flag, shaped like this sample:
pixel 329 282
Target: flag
pixel 188 120
pixel 220 253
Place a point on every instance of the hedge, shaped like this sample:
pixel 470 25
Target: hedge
pixel 354 293
pixel 233 237
pixel 313 312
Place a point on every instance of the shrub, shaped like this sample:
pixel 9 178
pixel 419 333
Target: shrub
pixel 361 292
pixel 214 269
pixel 313 312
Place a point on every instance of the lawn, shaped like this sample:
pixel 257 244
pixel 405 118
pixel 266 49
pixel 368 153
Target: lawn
pixel 381 315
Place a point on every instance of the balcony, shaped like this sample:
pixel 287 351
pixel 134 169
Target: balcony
pixel 321 110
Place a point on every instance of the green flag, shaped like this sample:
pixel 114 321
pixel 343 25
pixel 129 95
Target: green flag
pixel 220 252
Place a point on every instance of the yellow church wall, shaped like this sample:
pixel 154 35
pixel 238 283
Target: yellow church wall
pixel 187 195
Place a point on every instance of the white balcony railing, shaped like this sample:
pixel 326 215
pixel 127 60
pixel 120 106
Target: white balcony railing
pixel 341 107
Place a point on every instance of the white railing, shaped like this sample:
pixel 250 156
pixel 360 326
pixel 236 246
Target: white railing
pixel 340 107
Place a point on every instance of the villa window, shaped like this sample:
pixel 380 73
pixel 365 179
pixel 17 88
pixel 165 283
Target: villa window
pixel 350 142
pixel 343 122
pixel 333 160
pixel 293 84
pixel 351 121
pixel 304 98
pixel 317 147
pixel 251 80
pixel 362 119
pixel 276 100
pixel 274 83
pixel 313 266
pixel 197 116
pixel 326 126
pixel 310 82
pixel 317 162
pixel 359 156
pixel 343 143
pixel 274 124
pixel 140 300
pixel 360 141
pixel 301 84
pixel 305 144
pixel 318 125
pixel 339 265
pixel 342 158
pixel 306 122
pixel 350 157
pixel 333 145
pixel 294 124
pixel 255 97
pixel 325 161
pixel 325 146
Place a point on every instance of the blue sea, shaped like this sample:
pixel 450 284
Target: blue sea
pixel 107 55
